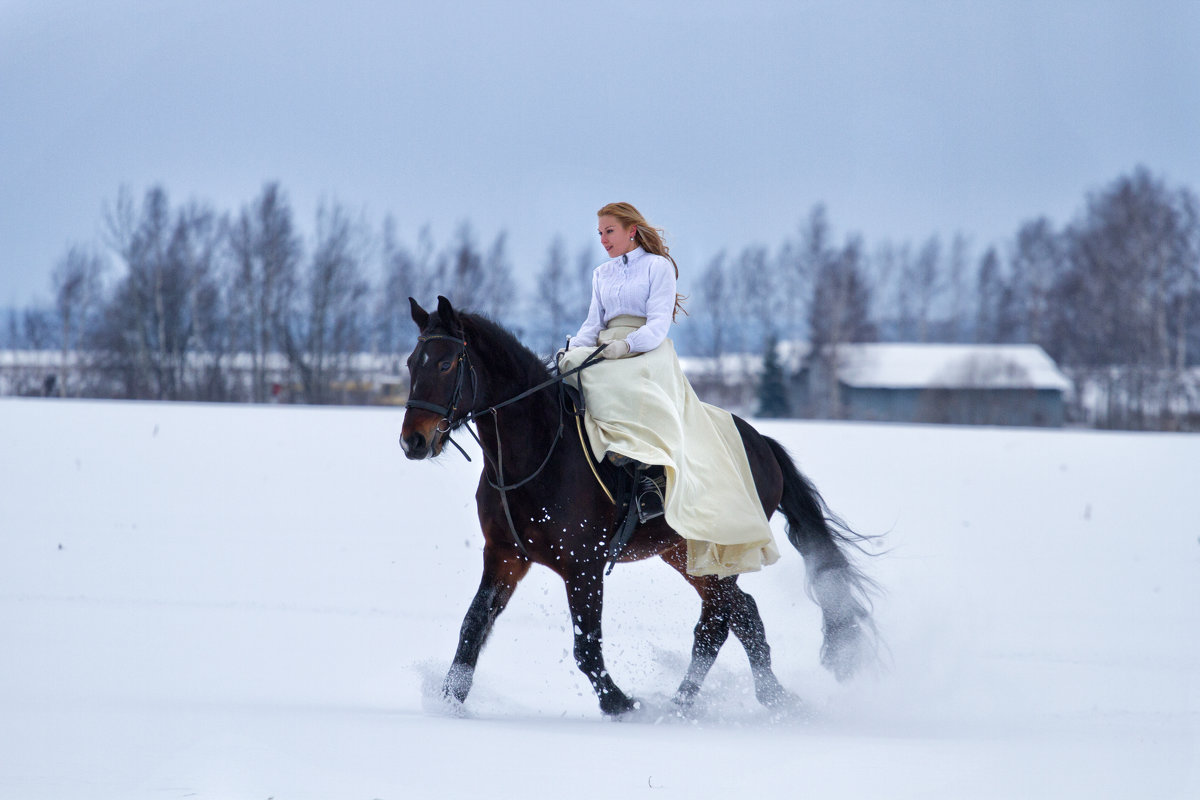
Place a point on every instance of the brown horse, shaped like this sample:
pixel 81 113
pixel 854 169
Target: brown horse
pixel 553 512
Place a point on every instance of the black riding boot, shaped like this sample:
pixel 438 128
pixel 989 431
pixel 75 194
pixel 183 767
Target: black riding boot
pixel 640 493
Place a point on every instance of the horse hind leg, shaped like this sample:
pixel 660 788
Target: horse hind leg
pixel 748 627
pixel 708 636
pixel 725 607
pixel 710 632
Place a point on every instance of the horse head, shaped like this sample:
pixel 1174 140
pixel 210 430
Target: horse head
pixel 443 386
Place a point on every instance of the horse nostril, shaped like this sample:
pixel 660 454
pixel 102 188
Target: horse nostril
pixel 413 445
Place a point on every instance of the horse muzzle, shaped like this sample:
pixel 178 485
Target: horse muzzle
pixel 422 441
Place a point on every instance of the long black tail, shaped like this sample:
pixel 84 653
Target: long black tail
pixel 834 582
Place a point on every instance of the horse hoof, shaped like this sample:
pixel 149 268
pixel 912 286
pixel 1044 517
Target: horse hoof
pixel 845 651
pixel 778 698
pixel 685 695
pixel 619 706
pixel 457 684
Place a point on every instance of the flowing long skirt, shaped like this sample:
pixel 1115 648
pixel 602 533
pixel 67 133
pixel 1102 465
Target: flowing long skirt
pixel 643 407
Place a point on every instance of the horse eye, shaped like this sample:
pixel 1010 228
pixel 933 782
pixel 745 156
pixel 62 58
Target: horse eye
pixel 445 366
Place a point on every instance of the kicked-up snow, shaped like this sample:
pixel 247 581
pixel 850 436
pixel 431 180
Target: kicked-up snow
pixel 250 602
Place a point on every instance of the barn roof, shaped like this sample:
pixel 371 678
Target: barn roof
pixel 949 366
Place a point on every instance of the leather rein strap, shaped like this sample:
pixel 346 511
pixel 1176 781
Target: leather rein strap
pixel 447 414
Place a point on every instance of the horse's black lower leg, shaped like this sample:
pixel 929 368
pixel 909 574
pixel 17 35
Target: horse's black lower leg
pixel 585 597
pixel 747 626
pixel 709 635
pixel 500 578
pixel 724 608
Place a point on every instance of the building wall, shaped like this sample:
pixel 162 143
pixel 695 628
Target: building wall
pixel 1021 407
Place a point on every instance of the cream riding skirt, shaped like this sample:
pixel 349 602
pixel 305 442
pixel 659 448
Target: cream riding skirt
pixel 641 406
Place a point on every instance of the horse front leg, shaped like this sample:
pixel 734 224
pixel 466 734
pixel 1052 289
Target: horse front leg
pixel 503 569
pixel 585 598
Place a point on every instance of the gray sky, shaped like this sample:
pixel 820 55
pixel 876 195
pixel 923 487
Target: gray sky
pixel 723 122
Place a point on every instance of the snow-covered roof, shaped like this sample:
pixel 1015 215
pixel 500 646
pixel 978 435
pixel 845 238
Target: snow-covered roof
pixel 949 366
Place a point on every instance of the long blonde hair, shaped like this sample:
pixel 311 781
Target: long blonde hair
pixel 647 237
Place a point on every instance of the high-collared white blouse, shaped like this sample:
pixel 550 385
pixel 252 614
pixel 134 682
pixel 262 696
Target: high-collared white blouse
pixel 636 283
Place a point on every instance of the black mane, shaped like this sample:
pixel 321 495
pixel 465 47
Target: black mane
pixel 502 351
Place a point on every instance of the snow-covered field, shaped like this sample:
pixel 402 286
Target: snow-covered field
pixel 249 602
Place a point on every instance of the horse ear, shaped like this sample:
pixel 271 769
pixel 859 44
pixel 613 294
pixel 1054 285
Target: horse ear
pixel 419 315
pixel 447 313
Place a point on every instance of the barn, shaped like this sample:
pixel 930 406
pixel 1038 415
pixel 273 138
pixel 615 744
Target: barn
pixel 935 383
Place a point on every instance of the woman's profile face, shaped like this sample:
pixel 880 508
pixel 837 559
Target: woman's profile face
pixel 615 238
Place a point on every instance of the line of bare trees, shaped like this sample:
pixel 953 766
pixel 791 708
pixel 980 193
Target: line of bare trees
pixel 194 288
pixel 1113 296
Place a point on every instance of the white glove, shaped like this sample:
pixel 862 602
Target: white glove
pixel 616 349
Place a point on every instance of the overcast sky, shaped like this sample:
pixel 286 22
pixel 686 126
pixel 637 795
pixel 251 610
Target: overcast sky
pixel 724 122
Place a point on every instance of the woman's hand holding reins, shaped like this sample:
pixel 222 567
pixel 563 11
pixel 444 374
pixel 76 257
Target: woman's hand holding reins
pixel 616 349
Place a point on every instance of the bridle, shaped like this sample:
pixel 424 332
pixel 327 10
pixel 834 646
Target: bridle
pixel 447 423
pixel 450 424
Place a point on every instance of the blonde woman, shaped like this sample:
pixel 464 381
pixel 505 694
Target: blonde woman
pixel 641 409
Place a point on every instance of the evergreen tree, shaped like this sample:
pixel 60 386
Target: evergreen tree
pixel 772 388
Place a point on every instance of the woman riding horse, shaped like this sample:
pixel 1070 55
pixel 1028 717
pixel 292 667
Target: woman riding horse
pixel 641 409
pixel 539 502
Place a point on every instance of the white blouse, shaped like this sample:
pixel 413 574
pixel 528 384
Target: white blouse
pixel 636 283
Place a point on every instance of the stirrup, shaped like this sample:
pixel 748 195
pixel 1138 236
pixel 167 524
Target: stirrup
pixel 640 498
pixel 650 496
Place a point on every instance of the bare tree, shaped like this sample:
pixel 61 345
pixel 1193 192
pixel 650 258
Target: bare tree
pixel 996 319
pixel 405 275
pixel 581 294
pixel 885 270
pixel 195 253
pixel 1186 300
pixel 168 259
pixel 797 265
pixel 552 296
pixel 267 253
pixel 37 329
pixel 715 313
pixel 751 296
pixel 459 271
pixel 499 290
pixel 1037 261
pixel 904 304
pixel 957 265
pixel 1130 271
pixel 77 287
pixel 330 326
pixel 924 279
pixel 13 337
pixel 840 314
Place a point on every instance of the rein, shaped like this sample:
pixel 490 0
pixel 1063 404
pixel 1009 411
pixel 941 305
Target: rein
pixel 447 413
